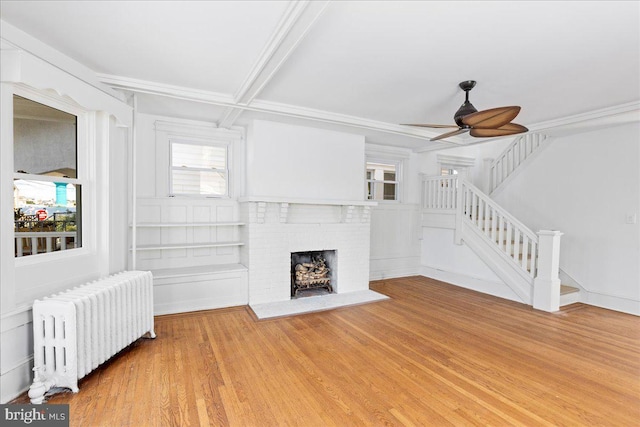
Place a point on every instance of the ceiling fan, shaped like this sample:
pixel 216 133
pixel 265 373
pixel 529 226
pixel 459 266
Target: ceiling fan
pixel 481 124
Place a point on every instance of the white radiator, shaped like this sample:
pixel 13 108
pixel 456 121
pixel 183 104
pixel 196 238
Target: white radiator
pixel 77 330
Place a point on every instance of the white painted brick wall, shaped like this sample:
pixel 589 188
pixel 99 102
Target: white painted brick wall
pixel 270 242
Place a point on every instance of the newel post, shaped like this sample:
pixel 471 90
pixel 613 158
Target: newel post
pixel 457 234
pixel 546 285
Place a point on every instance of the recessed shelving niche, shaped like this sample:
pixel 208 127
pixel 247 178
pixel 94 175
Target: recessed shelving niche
pixel 192 247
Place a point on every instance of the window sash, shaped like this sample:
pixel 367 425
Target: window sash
pixel 373 185
pixel 81 163
pixel 200 186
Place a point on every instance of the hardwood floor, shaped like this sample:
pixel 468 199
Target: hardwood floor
pixel 432 355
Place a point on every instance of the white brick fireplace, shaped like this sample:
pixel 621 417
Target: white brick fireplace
pixel 277 228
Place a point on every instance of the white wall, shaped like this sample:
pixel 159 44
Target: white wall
pixel 23 280
pixel 296 162
pixel 395 225
pixel 585 185
pixel 442 259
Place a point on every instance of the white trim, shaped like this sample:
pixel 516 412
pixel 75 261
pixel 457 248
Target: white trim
pixel 455 161
pixel 226 145
pixel 496 289
pixel 398 163
pixel 19 364
pixel 307 201
pixel 296 22
pixel 86 173
pixel 13 36
pixel 625 112
pixel 16 381
pixel 629 112
pixel 215 98
pixel 16 318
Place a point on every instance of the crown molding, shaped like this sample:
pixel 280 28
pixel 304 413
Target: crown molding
pixel 618 114
pixel 215 98
pixel 169 91
pixel 624 113
pixel 14 38
pixel 461 161
pixel 342 119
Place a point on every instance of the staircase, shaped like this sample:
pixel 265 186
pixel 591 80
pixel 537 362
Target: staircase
pixel 569 295
pixel 519 152
pixel 528 262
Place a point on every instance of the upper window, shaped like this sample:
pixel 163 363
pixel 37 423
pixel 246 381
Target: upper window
pixel 199 168
pixel 448 171
pixel 382 181
pixel 46 188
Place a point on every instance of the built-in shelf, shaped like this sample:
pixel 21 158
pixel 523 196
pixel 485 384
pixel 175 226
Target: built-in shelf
pixel 186 245
pixel 299 201
pixel 188 224
pixel 198 270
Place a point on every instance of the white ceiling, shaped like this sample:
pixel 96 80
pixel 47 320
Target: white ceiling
pixel 354 65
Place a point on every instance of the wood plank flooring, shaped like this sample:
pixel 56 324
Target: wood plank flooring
pixel 432 355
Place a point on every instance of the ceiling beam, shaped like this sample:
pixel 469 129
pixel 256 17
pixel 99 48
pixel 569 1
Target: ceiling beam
pixel 296 22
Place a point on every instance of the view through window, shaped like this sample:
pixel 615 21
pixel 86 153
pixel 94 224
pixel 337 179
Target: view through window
pixel 46 190
pixel 382 181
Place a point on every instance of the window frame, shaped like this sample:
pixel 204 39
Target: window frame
pixel 206 143
pixel 85 168
pixel 397 182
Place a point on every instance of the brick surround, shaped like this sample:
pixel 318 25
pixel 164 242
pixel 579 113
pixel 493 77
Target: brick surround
pixel 276 229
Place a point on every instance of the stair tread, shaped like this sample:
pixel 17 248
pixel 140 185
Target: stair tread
pixel 565 289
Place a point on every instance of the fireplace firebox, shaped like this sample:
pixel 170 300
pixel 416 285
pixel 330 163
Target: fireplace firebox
pixel 313 270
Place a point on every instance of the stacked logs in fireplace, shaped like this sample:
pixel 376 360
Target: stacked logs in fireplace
pixel 312 275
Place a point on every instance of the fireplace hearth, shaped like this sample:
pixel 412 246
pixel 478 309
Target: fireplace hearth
pixel 312 271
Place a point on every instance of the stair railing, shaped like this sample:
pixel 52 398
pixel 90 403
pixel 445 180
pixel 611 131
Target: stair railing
pixel 439 192
pixel 510 236
pixel 535 256
pixel 512 157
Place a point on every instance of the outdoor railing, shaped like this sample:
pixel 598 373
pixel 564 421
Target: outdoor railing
pixel 37 242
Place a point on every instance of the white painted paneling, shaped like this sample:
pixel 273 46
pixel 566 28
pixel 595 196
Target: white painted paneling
pixel 442 259
pixel 200 292
pixel 440 252
pixel 169 221
pixel 305 163
pixel 146 156
pixel 395 240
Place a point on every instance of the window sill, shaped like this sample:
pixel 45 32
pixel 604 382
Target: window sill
pixel 28 260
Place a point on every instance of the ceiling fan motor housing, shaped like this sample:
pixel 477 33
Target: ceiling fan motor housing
pixel 467 107
pixel 464 110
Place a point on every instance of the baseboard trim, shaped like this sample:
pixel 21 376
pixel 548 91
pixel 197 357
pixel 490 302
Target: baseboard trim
pixel 497 289
pixel 610 302
pixel 16 380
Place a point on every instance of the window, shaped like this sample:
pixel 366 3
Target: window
pixel 46 188
pixel 199 168
pixel 382 181
pixel 448 171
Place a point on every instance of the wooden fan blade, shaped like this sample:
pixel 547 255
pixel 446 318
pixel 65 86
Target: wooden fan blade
pixel 429 126
pixel 508 129
pixel 448 134
pixel 492 118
